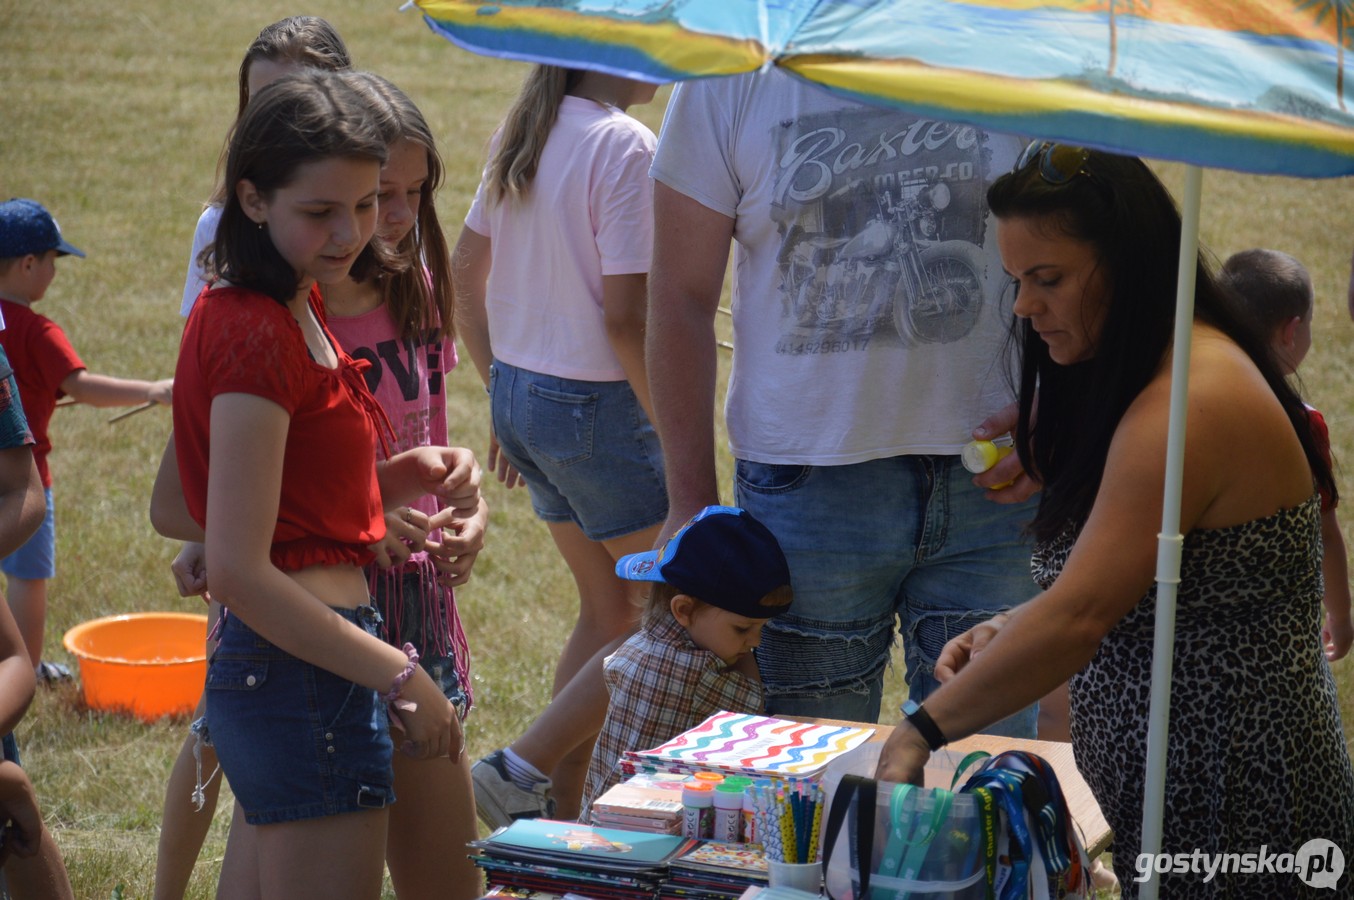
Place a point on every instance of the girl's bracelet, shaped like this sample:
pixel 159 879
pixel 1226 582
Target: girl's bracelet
pixel 401 679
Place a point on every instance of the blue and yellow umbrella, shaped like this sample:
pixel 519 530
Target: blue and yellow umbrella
pixel 1251 85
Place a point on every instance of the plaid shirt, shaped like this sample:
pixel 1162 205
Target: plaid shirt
pixel 661 684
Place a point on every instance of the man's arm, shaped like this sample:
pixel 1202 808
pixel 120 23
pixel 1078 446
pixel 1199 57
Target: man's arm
pixel 691 252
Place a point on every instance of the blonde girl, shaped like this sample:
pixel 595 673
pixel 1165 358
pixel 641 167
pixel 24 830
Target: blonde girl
pixel 551 274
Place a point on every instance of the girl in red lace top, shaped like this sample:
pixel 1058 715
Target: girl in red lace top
pixel 275 449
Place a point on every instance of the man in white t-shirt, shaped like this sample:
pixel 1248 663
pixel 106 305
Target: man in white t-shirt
pixel 870 319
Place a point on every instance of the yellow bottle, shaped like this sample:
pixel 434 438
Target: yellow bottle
pixel 979 456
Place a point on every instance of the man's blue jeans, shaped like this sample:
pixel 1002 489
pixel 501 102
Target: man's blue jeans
pixel 907 537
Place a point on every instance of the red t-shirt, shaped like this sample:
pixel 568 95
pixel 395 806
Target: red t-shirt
pixel 42 358
pixel 239 341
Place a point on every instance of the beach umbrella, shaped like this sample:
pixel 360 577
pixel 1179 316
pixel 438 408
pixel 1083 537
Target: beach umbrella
pixel 1250 85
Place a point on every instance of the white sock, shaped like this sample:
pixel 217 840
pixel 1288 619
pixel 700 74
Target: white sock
pixel 523 774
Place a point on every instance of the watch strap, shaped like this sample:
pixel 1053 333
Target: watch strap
pixel 925 725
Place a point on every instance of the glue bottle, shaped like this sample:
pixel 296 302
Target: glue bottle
pixel 698 815
pixel 728 825
pixel 979 456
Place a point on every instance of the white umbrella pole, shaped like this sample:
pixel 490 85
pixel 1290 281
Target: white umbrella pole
pixel 1170 541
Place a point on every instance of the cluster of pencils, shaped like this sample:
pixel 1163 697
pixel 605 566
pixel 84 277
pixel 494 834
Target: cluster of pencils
pixel 787 818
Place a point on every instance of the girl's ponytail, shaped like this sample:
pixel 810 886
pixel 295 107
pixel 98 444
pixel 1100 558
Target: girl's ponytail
pixel 521 138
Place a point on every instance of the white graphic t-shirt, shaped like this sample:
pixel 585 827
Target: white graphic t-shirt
pixel 870 309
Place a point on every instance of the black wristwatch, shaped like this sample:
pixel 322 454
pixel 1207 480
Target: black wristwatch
pixel 925 725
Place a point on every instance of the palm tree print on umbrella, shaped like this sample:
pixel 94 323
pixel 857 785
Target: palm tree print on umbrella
pixel 1343 10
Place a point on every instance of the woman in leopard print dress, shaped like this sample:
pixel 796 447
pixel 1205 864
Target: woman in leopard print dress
pixel 1256 757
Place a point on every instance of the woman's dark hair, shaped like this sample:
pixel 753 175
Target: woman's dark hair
pixel 307 41
pixel 1118 206
pixel 300 118
pixel 419 302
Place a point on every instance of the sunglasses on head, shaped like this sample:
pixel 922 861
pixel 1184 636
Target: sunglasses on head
pixel 1058 163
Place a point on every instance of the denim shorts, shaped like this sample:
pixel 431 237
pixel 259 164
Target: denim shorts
pixel 586 450
pixel 405 618
pixel 295 741
pixel 36 559
pixel 907 537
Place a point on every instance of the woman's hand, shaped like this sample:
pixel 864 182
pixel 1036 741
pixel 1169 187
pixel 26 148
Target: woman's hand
pixel 961 650
pixel 505 471
pixel 426 719
pixel 190 570
pixel 406 533
pixel 1007 481
pixel 452 474
pixel 903 760
pixel 462 539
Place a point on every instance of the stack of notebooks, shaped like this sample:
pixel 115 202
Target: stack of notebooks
pixel 742 744
pixel 564 857
pixel 645 802
pixel 715 871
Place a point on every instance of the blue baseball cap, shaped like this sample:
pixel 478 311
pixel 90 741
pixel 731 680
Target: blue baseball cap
pixel 27 227
pixel 723 557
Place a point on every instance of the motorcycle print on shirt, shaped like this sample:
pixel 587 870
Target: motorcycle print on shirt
pixel 882 218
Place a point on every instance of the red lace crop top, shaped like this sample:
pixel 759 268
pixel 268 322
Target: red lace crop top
pixel 239 341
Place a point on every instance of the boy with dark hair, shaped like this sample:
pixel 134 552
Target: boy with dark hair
pixel 46 368
pixel 717 581
pixel 1275 290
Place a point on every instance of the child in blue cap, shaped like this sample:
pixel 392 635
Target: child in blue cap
pixel 46 368
pixel 717 581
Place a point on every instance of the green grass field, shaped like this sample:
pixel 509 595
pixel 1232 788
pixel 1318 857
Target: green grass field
pixel 113 116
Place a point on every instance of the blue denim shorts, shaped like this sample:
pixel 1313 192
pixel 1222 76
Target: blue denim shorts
pixel 586 450
pixel 36 559
pixel 402 600
pixel 907 538
pixel 295 741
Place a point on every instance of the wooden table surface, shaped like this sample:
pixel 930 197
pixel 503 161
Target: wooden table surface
pixel 1080 803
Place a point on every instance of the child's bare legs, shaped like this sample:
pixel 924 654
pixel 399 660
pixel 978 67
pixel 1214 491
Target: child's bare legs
pixel 432 819
pixel 335 857
pixel 183 827
pixel 28 600
pixel 239 878
pixel 39 877
pixel 608 611
pixel 560 739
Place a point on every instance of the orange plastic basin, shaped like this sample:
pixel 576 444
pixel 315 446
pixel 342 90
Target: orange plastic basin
pixel 149 665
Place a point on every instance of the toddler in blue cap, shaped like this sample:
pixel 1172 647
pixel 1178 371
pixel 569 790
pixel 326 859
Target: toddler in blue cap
pixel 717 581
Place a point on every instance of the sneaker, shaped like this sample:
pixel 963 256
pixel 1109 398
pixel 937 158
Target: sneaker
pixel 52 672
pixel 499 802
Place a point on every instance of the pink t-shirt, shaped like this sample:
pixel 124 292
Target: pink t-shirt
pixel 407 377
pixel 588 213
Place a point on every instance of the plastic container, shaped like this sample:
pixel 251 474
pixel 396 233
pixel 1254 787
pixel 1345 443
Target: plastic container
pixel 728 825
pixel 979 456
pixel 710 778
pixel 698 812
pixel 148 665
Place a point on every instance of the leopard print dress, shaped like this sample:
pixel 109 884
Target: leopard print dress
pixel 1256 755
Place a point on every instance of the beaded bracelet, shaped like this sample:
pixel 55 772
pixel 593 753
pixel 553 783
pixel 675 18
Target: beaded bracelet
pixel 401 679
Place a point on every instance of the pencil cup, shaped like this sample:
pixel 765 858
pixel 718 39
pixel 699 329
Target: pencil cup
pixel 800 876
